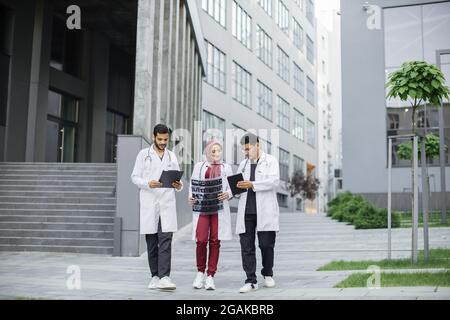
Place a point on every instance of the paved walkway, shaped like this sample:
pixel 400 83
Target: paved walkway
pixel 304 243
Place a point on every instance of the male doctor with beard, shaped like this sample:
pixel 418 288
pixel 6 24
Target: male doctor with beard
pixel 158 215
pixel 258 211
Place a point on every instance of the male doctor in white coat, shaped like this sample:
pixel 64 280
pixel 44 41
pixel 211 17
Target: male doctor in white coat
pixel 158 215
pixel 258 211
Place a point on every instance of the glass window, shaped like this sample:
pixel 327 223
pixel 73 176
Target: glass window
pixel 241 25
pixel 282 200
pixel 310 11
pixel 298 35
pixel 242 84
pixel 215 68
pixel 298 204
pixel 299 163
pixel 282 64
pixel 115 124
pixel 264 101
pixel 263 46
pixel 309 49
pixel 282 17
pixel 310 133
pixel 66 48
pixel 310 96
pixel 299 125
pixel 238 155
pixel 284 164
pixel 266 146
pixel 398 122
pixel 283 114
pixel 216 9
pixel 415 33
pixel 62 107
pixel 299 80
pixel 266 5
pixel 213 127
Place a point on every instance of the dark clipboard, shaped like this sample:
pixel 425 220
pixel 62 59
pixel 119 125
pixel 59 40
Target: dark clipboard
pixel 170 176
pixel 233 180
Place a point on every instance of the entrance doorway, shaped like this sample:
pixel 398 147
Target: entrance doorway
pixel 62 127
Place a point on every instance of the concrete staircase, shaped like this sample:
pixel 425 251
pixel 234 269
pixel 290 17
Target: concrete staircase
pixel 57 207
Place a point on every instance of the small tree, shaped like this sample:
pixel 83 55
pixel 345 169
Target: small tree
pixel 417 82
pixel 305 186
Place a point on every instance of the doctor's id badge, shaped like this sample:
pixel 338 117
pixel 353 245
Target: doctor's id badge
pixel 206 192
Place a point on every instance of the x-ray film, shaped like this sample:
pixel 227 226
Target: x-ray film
pixel 206 192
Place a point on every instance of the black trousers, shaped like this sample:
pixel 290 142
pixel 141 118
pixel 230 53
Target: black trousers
pixel 266 240
pixel 159 251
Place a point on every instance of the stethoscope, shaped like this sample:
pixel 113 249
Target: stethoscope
pixel 148 160
pixel 258 166
pixel 201 168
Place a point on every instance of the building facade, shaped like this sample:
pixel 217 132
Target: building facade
pixel 84 82
pixel 261 77
pixel 376 39
pixel 329 105
pixel 67 93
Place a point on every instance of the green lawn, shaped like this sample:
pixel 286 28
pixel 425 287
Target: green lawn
pixel 358 280
pixel 439 258
pixel 434 220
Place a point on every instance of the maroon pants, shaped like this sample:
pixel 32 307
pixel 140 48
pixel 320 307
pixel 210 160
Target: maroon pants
pixel 208 229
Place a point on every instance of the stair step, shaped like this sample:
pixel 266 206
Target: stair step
pixel 64 219
pixel 56 241
pixel 66 182
pixel 58 212
pixel 61 206
pixel 50 172
pixel 42 233
pixel 58 166
pixel 57 207
pixel 56 248
pixel 58 226
pixel 59 200
pixel 65 177
pixel 50 188
pixel 46 193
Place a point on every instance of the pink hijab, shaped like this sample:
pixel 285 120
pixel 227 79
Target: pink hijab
pixel 214 165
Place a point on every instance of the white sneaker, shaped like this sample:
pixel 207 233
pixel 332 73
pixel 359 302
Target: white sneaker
pixel 153 283
pixel 269 282
pixel 199 280
pixel 166 284
pixel 248 287
pixel 210 283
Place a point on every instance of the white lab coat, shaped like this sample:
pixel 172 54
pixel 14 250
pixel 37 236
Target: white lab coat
pixel 224 223
pixel 267 178
pixel 155 203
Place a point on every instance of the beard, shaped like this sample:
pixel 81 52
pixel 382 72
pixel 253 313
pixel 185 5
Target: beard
pixel 160 146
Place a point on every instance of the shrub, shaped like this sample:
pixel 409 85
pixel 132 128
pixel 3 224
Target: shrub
pixel 358 211
pixel 335 203
pixel 370 217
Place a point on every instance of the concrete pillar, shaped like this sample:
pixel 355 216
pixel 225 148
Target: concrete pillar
pixel 158 42
pixel 39 83
pixel 167 34
pixel 174 63
pixel 131 244
pixel 181 67
pixel 98 96
pixel 20 69
pixel 143 94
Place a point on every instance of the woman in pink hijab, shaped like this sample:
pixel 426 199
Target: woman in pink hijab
pixel 211 227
